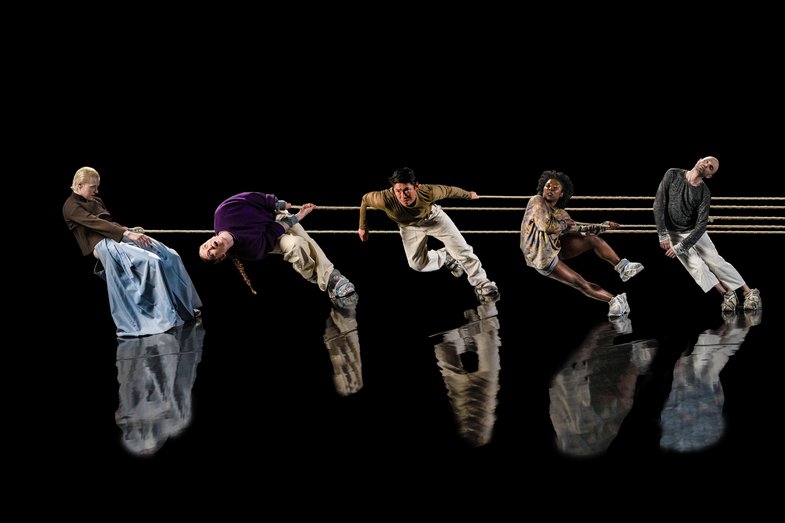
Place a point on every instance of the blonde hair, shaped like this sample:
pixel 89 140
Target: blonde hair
pixel 85 175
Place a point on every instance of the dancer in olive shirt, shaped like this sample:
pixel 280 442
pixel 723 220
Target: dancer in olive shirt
pixel 413 207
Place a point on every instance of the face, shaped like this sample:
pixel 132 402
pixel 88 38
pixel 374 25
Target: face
pixel 552 191
pixel 214 249
pixel 87 190
pixel 406 193
pixel 706 167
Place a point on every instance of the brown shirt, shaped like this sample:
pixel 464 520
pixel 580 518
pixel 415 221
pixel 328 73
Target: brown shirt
pixel 90 222
pixel 427 195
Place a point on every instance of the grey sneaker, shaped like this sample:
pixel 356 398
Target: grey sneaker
pixel 346 302
pixel 339 285
pixel 486 292
pixel 618 306
pixel 729 301
pixel 628 269
pixel 752 301
pixel 454 266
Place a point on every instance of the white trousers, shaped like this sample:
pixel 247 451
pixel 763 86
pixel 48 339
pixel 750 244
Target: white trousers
pixel 705 265
pixel 305 255
pixel 438 225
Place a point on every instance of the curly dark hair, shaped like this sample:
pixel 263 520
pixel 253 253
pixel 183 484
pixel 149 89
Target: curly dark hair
pixel 566 184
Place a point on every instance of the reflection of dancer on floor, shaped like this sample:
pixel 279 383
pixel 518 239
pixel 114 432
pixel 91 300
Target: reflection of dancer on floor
pixel 156 375
pixel 692 418
pixel 251 225
pixel 343 344
pixel 595 390
pixel 549 235
pixel 681 212
pixel 472 392
pixel 412 206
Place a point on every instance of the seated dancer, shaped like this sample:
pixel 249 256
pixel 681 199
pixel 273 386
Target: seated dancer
pixel 251 225
pixel 549 235
pixel 150 291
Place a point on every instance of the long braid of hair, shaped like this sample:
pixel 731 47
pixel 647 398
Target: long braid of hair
pixel 246 279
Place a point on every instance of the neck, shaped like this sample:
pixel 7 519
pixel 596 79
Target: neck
pixel 694 177
pixel 228 236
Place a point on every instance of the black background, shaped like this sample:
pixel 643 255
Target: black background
pixel 176 130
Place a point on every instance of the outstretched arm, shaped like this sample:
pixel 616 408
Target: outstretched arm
pixel 290 221
pixel 592 228
pixel 362 231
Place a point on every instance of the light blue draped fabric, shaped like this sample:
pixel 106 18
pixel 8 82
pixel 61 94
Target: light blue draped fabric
pixel 149 289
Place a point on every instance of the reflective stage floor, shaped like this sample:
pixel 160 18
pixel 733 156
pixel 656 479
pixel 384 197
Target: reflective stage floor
pixel 416 376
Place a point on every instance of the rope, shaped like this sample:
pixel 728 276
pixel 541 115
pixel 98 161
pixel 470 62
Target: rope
pixel 519 209
pixel 624 229
pixel 756 198
pixel 650 230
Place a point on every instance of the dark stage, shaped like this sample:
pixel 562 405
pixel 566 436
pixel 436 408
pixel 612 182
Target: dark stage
pixel 416 376
pixel 417 379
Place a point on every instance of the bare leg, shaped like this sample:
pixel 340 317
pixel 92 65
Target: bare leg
pixel 564 274
pixel 574 244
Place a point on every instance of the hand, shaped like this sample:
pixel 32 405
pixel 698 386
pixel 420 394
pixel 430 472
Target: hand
pixel 612 225
pixel 140 238
pixel 666 245
pixel 363 234
pixel 475 196
pixel 305 210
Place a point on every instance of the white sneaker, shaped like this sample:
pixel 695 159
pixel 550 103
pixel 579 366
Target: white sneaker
pixel 486 292
pixel 618 305
pixel 628 269
pixel 752 301
pixel 729 301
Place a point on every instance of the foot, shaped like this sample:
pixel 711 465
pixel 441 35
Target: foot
pixel 345 302
pixel 752 301
pixel 454 266
pixel 729 301
pixel 487 291
pixel 618 306
pixel 628 269
pixel 339 286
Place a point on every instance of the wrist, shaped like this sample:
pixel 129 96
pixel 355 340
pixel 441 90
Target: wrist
pixel 290 220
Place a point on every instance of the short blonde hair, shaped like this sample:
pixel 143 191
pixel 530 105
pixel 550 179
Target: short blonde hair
pixel 85 175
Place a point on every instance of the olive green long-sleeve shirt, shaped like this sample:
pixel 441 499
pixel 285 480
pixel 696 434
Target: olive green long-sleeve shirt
pixel 427 195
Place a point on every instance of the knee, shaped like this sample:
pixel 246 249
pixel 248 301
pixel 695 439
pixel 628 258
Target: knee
pixel 294 244
pixel 595 241
pixel 417 265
